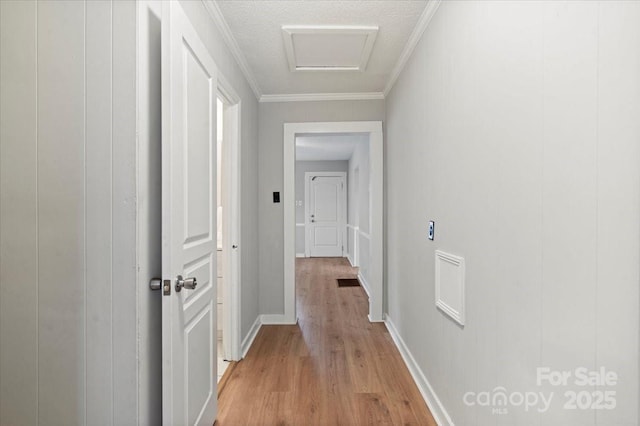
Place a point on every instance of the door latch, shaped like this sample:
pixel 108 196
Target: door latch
pixel 157 283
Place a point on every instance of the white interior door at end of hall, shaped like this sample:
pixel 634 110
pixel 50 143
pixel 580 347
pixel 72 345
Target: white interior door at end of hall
pixel 189 87
pixel 326 204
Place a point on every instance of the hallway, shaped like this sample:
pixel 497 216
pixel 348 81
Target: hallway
pixel 333 368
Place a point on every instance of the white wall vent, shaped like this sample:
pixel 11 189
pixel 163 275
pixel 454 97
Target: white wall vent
pixel 450 285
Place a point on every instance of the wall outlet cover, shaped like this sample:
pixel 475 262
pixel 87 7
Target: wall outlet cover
pixel 432 230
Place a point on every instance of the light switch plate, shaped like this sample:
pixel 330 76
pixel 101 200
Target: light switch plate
pixel 432 230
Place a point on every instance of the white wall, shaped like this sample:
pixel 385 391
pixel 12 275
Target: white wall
pixel 271 175
pixel 515 127
pixel 301 168
pixel 67 213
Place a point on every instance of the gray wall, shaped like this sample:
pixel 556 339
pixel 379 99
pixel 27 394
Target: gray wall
pixel 359 191
pixel 67 213
pixel 515 127
pixel 227 65
pixel 301 168
pixel 271 172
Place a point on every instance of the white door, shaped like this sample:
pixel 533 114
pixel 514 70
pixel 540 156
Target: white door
pixel 189 385
pixel 326 214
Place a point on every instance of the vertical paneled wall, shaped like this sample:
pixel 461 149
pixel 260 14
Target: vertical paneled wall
pixel 67 212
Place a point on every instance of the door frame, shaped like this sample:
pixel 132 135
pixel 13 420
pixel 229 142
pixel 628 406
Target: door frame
pixel 231 220
pixel 376 171
pixel 307 193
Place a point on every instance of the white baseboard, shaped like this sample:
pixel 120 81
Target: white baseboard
pixel 300 255
pixel 249 338
pixel 277 319
pixel 433 402
pixel 351 262
pixel 365 285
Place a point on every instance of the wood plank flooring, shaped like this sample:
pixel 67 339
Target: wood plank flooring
pixel 333 368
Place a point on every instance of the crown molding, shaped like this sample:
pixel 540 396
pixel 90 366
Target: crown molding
pixel 232 44
pixel 311 97
pixel 429 10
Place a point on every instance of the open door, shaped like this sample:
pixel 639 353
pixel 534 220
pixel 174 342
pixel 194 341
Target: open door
pixel 189 388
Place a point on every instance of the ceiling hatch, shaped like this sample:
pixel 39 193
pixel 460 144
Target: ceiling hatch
pixel 328 48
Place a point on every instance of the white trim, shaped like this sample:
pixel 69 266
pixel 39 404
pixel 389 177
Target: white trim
pixel 443 305
pixel 376 169
pixel 351 262
pixel 300 255
pixel 413 41
pixel 429 395
pixel 354 231
pixel 289 30
pixel 231 219
pixel 308 176
pixel 251 336
pixel 365 284
pixel 277 319
pixel 311 97
pixel 225 89
pixel 232 44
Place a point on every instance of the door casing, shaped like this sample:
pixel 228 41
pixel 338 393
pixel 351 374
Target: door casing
pixel 231 220
pixel 376 171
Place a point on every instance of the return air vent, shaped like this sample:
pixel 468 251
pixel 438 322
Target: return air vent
pixel 328 48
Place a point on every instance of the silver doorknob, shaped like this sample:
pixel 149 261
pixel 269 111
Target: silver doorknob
pixel 188 283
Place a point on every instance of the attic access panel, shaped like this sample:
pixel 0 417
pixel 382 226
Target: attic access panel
pixel 328 48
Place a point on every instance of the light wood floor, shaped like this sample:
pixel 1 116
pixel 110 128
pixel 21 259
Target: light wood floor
pixel 333 368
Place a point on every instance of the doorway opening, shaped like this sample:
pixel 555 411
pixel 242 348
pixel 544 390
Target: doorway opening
pixel 223 359
pixel 362 230
pixel 228 225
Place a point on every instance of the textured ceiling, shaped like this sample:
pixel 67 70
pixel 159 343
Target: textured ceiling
pixel 257 27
